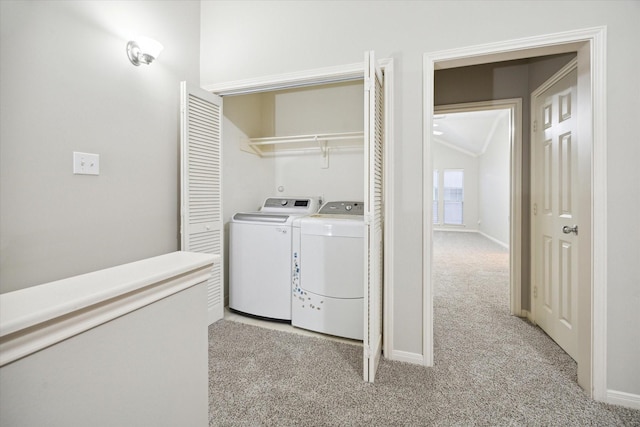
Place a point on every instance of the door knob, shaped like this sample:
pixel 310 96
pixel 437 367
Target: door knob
pixel 566 229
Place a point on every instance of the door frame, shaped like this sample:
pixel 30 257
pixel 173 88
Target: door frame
pixel 591 47
pixel 336 74
pixel 514 105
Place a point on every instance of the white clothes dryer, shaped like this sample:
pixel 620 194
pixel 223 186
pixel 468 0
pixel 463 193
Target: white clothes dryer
pixel 328 276
pixel 260 245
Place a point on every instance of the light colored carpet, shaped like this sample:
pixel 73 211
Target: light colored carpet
pixel 490 368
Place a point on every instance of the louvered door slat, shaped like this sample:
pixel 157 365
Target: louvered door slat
pixel 201 196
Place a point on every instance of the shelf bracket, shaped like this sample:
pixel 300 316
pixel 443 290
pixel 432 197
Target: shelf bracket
pixel 325 152
pixel 247 147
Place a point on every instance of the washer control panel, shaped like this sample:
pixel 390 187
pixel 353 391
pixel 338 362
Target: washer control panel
pixel 299 205
pixel 342 208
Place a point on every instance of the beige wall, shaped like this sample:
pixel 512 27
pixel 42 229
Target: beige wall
pixel 250 39
pixel 67 85
pixel 323 109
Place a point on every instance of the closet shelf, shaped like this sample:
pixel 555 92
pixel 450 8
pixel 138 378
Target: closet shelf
pixel 321 141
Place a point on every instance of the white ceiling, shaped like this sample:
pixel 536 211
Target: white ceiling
pixel 468 132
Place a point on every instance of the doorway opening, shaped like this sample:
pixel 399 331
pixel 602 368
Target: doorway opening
pixel 376 78
pixel 590 47
pixel 481 143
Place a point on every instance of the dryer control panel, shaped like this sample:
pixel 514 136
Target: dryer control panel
pixel 342 208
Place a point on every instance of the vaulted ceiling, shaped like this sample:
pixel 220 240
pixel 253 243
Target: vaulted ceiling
pixel 468 132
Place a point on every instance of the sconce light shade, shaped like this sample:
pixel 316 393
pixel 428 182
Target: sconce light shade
pixel 143 50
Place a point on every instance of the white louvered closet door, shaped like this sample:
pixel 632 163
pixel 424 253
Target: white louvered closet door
pixel 374 220
pixel 201 187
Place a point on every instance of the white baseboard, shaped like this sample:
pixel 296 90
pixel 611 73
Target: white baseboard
pixel 405 356
pixel 456 228
pixel 460 229
pixel 493 239
pixel 623 399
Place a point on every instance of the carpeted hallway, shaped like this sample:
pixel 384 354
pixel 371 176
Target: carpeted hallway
pixel 490 368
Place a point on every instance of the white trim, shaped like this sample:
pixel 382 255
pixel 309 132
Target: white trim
pixel 517 49
pixel 515 208
pixel 291 80
pixel 41 316
pixel 454 228
pixel 623 399
pixel 529 47
pixel 498 242
pixel 389 217
pixel 598 62
pixel 428 111
pixel 405 356
pixel 455 147
pixel 459 230
pixel 559 75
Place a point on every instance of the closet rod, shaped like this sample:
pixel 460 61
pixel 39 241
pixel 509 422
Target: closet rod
pixel 306 138
pixel 300 151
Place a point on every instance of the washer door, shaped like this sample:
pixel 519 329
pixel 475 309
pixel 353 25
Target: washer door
pixel 332 265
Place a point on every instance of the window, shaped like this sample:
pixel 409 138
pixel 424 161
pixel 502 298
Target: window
pixel 435 197
pixel 453 196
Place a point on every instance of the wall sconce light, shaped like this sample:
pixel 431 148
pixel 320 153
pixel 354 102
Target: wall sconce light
pixel 143 50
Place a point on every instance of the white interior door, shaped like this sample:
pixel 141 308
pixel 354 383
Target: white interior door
pixel 374 208
pixel 201 190
pixel 555 201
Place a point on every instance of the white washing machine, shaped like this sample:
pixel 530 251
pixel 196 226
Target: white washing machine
pixel 260 256
pixel 328 275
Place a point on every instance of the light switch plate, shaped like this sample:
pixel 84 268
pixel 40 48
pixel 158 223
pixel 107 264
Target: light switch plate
pixel 86 163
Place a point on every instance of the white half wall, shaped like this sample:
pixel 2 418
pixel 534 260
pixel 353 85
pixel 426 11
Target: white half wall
pixel 148 367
